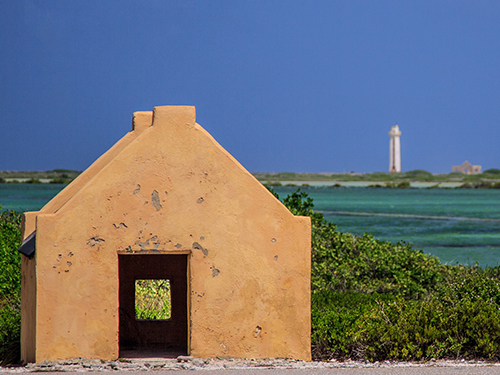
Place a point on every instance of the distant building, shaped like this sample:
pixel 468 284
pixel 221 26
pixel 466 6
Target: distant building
pixel 466 168
pixel 395 150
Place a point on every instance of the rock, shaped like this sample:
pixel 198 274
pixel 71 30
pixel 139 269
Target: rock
pixel 184 358
pixel 198 362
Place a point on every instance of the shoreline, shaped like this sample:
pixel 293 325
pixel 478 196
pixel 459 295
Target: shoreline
pixel 292 183
pixel 361 184
pixel 398 184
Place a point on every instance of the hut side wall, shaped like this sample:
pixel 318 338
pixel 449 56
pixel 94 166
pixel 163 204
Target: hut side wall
pixel 28 294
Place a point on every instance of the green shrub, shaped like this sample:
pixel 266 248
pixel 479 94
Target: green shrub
pixel 152 299
pixel 492 171
pixel 375 300
pixel 10 287
pixel 334 320
pixel 272 183
pixel 403 185
pixel 60 181
pixel 396 185
pixel 33 181
pixel 480 185
pixel 418 173
pixel 430 328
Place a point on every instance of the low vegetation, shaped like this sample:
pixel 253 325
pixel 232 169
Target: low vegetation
pixel 370 299
pixel 375 300
pixel 481 185
pixel 490 178
pixel 380 179
pixel 152 299
pixel 57 176
pixel 10 287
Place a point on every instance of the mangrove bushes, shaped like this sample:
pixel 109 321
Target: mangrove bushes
pixel 375 300
pixel 10 287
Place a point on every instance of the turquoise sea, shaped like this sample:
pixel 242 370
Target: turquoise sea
pixel 27 197
pixel 456 225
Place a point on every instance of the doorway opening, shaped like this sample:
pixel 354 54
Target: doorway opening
pixel 153 305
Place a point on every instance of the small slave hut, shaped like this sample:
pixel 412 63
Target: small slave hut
pixel 165 245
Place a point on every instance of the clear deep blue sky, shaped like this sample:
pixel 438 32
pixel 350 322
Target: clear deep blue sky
pixel 302 86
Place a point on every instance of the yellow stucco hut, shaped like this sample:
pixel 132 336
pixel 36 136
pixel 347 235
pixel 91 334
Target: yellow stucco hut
pixel 166 202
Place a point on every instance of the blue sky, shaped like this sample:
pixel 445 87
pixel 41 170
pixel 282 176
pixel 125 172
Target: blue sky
pixel 301 86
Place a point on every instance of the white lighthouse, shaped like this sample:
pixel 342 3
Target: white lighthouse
pixel 395 150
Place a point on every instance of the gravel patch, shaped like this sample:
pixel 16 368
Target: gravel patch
pixel 190 363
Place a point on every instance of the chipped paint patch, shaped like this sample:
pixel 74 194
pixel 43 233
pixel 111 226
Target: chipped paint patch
pixel 95 241
pixel 257 331
pixel 155 200
pixel 197 246
pixel 145 245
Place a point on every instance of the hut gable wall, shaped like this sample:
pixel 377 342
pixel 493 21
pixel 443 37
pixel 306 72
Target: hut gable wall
pixel 174 189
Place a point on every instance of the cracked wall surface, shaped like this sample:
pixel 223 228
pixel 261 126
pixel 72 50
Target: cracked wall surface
pixel 168 188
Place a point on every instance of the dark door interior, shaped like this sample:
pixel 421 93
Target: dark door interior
pixel 153 335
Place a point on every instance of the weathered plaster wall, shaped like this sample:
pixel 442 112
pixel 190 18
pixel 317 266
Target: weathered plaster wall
pixel 140 121
pixel 28 294
pixel 174 189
